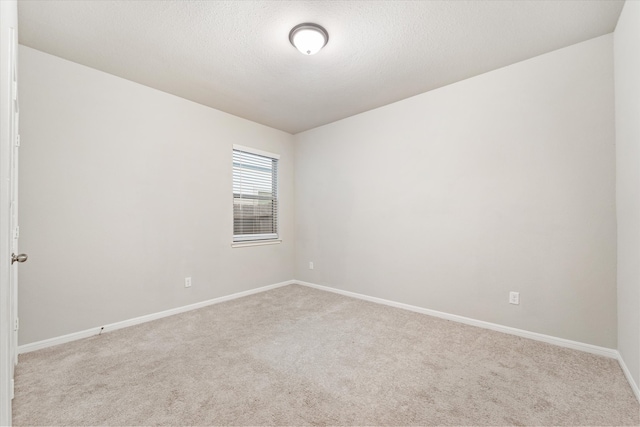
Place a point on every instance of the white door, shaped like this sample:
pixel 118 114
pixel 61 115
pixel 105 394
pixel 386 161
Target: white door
pixel 16 257
pixel 9 142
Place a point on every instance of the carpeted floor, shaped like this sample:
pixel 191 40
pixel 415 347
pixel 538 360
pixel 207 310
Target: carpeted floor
pixel 299 356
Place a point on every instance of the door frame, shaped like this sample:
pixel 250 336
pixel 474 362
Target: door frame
pixel 8 350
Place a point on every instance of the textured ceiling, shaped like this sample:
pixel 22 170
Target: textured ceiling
pixel 235 55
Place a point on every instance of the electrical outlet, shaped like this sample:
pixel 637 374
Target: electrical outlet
pixel 514 297
pixel 187 282
pixel 310 265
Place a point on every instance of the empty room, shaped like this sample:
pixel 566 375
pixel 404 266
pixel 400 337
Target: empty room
pixel 320 212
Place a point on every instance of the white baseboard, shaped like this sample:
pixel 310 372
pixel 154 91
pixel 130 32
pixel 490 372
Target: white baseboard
pixel 627 373
pixel 142 319
pixel 589 348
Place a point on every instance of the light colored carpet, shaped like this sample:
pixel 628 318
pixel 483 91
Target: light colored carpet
pixel 299 356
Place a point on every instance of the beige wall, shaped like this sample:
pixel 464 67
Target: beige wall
pixel 451 199
pixel 124 192
pixel 447 200
pixel 627 84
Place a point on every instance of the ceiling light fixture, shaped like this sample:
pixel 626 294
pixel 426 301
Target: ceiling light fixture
pixel 308 38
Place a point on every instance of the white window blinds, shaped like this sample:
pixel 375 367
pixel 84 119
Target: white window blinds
pixel 255 195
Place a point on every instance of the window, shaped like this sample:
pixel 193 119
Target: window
pixel 255 195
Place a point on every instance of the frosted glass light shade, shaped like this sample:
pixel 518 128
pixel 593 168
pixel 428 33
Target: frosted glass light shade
pixel 308 38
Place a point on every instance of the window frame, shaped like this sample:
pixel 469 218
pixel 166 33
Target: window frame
pixel 239 240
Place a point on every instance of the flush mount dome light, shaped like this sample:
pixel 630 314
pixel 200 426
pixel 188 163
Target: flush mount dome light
pixel 308 38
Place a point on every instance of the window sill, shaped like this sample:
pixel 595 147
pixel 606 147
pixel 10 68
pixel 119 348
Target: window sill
pixel 256 243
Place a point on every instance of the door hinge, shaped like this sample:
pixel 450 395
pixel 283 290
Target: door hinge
pixel 17 326
pixel 16 232
pixel 18 140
